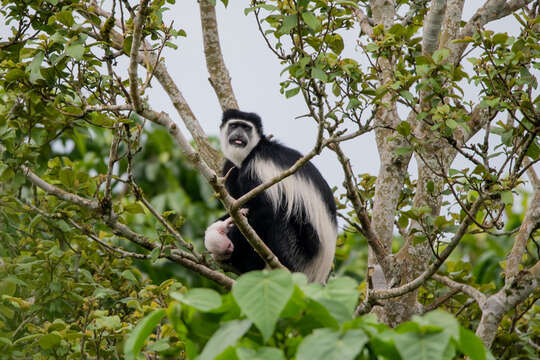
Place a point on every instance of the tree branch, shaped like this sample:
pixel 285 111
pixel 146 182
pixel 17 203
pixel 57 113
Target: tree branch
pixel 219 75
pixel 110 218
pixel 138 25
pixel 471 291
pixel 492 10
pixel 432 26
pixel 530 222
pixel 432 269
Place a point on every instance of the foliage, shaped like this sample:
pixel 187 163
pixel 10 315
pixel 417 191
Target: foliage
pixel 107 277
pixel 309 322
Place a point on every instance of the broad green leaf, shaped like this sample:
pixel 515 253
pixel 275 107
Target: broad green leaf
pixel 75 51
pixel 264 353
pixel 344 290
pixel 422 346
pixel 135 340
pixel 201 299
pixel 319 74
pixel 289 22
pixel 262 295
pixel 292 92
pixel 35 67
pixel 507 197
pixel 471 345
pixel 48 341
pixel 328 344
pixel 441 319
pixel 312 21
pixel 109 322
pixel 403 150
pixel 451 123
pixel 226 336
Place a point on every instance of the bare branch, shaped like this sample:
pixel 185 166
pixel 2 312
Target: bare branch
pixel 138 25
pixel 363 20
pixel 59 193
pixel 219 75
pixel 432 26
pixel 474 293
pixel 492 10
pixel 381 253
pixel 113 153
pixel 529 224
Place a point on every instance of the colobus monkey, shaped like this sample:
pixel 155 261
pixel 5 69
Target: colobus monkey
pixel 296 217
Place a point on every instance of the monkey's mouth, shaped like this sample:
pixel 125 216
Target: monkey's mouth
pixel 237 142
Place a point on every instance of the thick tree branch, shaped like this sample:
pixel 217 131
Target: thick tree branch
pixel 363 20
pixel 432 26
pixel 530 222
pixel 491 10
pixel 452 19
pixel 498 304
pixel 219 75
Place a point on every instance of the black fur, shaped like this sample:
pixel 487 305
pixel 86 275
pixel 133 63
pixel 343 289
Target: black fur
pixel 294 242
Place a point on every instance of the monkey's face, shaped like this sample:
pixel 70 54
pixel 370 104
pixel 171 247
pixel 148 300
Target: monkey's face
pixel 238 138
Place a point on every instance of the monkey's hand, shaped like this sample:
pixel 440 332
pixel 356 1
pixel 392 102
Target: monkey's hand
pixel 216 240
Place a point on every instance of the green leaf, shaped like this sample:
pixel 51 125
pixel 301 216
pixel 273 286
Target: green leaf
pixel 403 150
pixel 404 128
pixel 440 55
pixel 136 339
pixel 312 21
pixel 430 187
pixel 226 336
pixel 451 123
pixel 292 92
pixel 109 322
pixel 201 299
pixel 289 22
pixel 128 275
pixel 471 345
pixel 328 344
pixel 263 353
pixel 319 74
pixel 75 51
pixel 507 197
pixel 35 68
pixel 49 341
pixel 262 295
pixel 407 95
pixel 422 346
